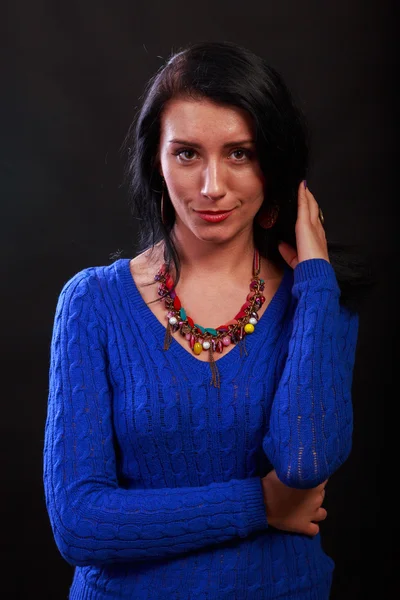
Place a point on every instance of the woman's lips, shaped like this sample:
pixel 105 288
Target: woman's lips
pixel 214 216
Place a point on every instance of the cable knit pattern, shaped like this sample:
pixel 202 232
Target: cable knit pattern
pixel 152 476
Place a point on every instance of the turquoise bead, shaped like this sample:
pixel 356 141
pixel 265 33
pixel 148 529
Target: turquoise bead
pixel 212 331
pixel 182 312
pixel 200 327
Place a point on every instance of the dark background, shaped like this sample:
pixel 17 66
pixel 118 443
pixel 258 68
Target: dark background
pixel 71 79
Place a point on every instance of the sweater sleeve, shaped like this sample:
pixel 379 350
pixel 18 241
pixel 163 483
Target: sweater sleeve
pixel 93 519
pixel 311 421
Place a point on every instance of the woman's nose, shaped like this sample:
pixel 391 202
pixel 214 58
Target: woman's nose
pixel 213 182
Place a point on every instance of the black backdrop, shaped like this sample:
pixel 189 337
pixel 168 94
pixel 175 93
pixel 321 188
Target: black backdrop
pixel 72 74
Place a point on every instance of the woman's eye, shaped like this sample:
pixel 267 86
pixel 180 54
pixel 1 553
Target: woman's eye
pixel 185 152
pixel 242 152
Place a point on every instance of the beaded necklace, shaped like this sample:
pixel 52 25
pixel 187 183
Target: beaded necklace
pixel 206 338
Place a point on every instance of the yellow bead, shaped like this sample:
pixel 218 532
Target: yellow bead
pixel 249 328
pixel 197 348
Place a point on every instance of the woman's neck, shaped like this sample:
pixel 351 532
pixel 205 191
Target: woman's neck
pixel 208 261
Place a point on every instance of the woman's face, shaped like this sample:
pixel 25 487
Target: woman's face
pixel 207 156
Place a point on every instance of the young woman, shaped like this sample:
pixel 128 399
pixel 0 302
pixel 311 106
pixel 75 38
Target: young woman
pixel 200 393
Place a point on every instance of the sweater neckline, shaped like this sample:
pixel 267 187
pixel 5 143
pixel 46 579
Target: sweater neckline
pixel 226 362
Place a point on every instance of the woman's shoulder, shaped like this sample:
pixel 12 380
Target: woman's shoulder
pixel 87 277
pixel 92 284
pixel 102 284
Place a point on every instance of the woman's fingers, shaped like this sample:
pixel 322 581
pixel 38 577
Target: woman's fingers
pixel 312 206
pixel 312 529
pixel 288 253
pixel 322 513
pixel 303 208
pixel 310 234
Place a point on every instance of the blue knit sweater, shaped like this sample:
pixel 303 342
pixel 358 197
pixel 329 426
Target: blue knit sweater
pixel 152 475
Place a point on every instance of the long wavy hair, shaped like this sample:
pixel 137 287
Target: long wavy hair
pixel 229 74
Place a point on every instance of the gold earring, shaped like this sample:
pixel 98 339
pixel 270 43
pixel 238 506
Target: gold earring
pixel 268 218
pixel 162 208
pixel 165 206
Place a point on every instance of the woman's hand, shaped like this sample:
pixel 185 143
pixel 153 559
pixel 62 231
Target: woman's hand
pixel 291 509
pixel 310 233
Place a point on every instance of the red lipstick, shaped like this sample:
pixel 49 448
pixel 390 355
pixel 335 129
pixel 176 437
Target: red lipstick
pixel 215 217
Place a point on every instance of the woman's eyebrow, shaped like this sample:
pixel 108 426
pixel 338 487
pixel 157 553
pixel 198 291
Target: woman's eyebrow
pixel 196 145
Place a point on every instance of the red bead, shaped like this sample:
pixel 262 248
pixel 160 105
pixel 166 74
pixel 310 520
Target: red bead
pixel 250 296
pixel 192 341
pixel 240 314
pixel 177 303
pixel 190 321
pixel 219 346
pixel 245 305
pixel 169 282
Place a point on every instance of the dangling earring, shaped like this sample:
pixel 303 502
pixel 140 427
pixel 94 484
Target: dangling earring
pixel 164 217
pixel 268 218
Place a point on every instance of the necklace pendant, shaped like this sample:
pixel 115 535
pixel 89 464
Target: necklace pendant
pixel 219 346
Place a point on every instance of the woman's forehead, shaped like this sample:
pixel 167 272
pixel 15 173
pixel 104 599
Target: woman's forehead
pixel 204 119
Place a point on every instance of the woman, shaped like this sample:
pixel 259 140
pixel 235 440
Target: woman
pixel 200 393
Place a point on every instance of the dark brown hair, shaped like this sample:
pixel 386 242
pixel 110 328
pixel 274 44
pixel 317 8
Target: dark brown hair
pixel 229 74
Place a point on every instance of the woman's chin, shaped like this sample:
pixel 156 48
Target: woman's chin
pixel 215 234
